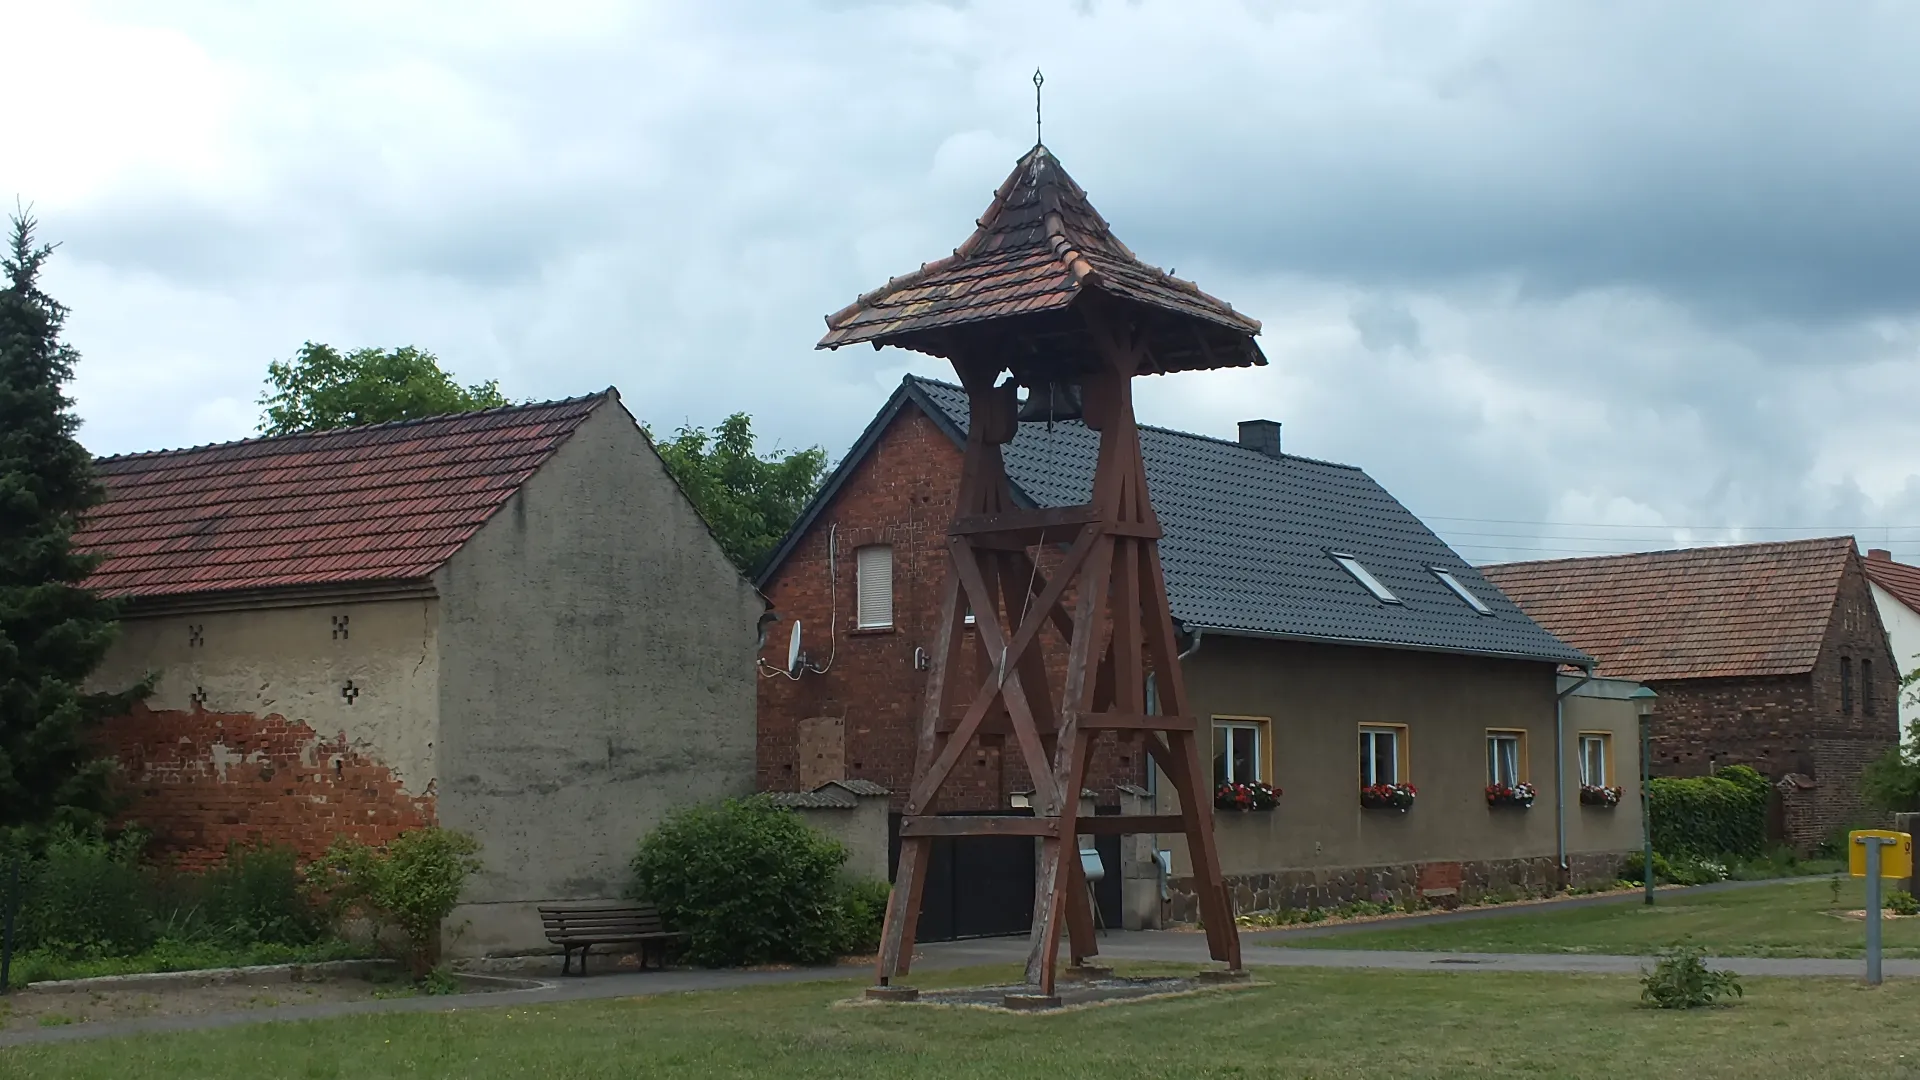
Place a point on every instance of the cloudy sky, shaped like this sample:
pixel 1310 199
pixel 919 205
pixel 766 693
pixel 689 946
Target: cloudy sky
pixel 1566 278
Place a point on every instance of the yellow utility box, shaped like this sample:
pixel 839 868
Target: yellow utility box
pixel 1896 859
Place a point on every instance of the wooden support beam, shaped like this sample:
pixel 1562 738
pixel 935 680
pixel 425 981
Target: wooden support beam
pixel 1117 721
pixel 1065 521
pixel 978 825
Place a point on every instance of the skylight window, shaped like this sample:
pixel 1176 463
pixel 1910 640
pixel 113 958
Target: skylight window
pixel 1365 577
pixel 1446 577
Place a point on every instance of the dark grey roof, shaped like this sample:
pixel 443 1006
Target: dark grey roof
pixel 1247 538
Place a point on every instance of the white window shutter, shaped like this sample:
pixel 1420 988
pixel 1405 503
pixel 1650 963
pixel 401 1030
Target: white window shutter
pixel 873 572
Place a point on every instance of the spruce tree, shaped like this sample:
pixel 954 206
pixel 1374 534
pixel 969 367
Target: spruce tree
pixel 52 631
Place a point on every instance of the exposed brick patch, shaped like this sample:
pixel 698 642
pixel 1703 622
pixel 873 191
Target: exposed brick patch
pixel 202 781
pixel 902 495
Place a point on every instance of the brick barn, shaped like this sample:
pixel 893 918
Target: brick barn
pixel 509 622
pixel 1769 655
pixel 1308 678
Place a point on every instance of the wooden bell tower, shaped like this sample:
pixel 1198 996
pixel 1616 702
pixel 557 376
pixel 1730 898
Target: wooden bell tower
pixel 1043 296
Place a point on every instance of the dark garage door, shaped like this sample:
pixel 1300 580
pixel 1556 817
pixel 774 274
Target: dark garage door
pixel 982 886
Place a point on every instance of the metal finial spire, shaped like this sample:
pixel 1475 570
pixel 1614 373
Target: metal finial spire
pixel 1037 80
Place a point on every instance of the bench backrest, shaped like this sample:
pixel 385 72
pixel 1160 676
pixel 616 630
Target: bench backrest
pixel 628 919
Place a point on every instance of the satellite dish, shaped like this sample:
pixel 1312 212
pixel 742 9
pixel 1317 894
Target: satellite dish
pixel 793 650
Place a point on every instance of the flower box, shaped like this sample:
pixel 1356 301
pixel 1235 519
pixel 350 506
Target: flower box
pixel 1515 795
pixel 1608 797
pixel 1251 796
pixel 1388 797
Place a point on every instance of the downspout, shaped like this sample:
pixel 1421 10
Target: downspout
pixel 1161 870
pixel 1560 774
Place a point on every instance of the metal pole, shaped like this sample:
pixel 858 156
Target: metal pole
pixel 1873 907
pixel 6 934
pixel 1646 810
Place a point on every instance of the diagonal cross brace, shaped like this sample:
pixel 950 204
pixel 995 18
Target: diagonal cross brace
pixel 993 688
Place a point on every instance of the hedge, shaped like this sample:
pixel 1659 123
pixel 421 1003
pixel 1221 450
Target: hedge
pixel 1722 814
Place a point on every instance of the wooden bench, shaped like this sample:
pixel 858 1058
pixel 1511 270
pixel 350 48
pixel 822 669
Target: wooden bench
pixel 584 927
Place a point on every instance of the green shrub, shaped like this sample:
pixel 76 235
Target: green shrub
pixel 256 896
pixel 864 903
pixel 1901 902
pixel 1680 979
pixel 411 883
pixel 87 896
pixel 749 882
pixel 1719 815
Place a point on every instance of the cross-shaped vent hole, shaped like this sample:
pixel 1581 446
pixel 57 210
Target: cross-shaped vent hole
pixel 195 635
pixel 199 697
pixel 349 692
pixel 339 627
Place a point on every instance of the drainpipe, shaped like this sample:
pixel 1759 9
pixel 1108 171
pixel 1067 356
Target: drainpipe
pixel 1560 773
pixel 1161 869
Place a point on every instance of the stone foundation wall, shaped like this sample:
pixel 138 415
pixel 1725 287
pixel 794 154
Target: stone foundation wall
pixel 1333 886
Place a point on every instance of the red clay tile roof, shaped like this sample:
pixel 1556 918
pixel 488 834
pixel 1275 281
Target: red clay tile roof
pixel 385 502
pixel 1710 612
pixel 1038 244
pixel 1898 578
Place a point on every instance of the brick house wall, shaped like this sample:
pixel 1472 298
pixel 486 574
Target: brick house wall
pixel 1803 725
pixel 858 718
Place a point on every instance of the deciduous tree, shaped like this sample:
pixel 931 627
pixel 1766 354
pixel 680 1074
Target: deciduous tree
pixel 322 388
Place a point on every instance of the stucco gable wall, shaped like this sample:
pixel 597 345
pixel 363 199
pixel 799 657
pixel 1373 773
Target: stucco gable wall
pixel 597 658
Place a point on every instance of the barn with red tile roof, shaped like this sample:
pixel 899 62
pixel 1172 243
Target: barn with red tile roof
pixel 509 622
pixel 1771 655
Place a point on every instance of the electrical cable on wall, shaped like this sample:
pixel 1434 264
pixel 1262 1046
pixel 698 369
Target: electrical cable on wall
pixel 768 671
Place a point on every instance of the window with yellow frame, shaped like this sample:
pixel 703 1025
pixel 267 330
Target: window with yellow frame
pixel 1506 757
pixel 1596 759
pixel 1242 750
pixel 1383 754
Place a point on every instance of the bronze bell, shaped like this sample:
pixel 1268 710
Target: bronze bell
pixel 1051 402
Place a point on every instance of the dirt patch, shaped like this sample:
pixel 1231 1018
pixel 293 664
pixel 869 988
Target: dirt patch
pixel 1860 915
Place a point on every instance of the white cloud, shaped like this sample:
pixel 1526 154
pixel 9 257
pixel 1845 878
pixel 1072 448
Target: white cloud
pixel 1643 268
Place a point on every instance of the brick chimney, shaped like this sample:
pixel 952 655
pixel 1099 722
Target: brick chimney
pixel 1876 554
pixel 1261 435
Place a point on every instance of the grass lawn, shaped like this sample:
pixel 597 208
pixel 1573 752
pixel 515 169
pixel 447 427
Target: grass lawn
pixel 1790 919
pixel 1324 1024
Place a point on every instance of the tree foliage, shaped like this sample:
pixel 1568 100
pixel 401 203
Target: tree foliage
pixel 1892 781
pixel 320 389
pixel 53 632
pixel 748 499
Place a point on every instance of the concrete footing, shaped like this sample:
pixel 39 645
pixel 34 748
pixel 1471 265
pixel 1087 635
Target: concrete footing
pixel 1223 975
pixel 1086 971
pixel 892 993
pixel 1030 1002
